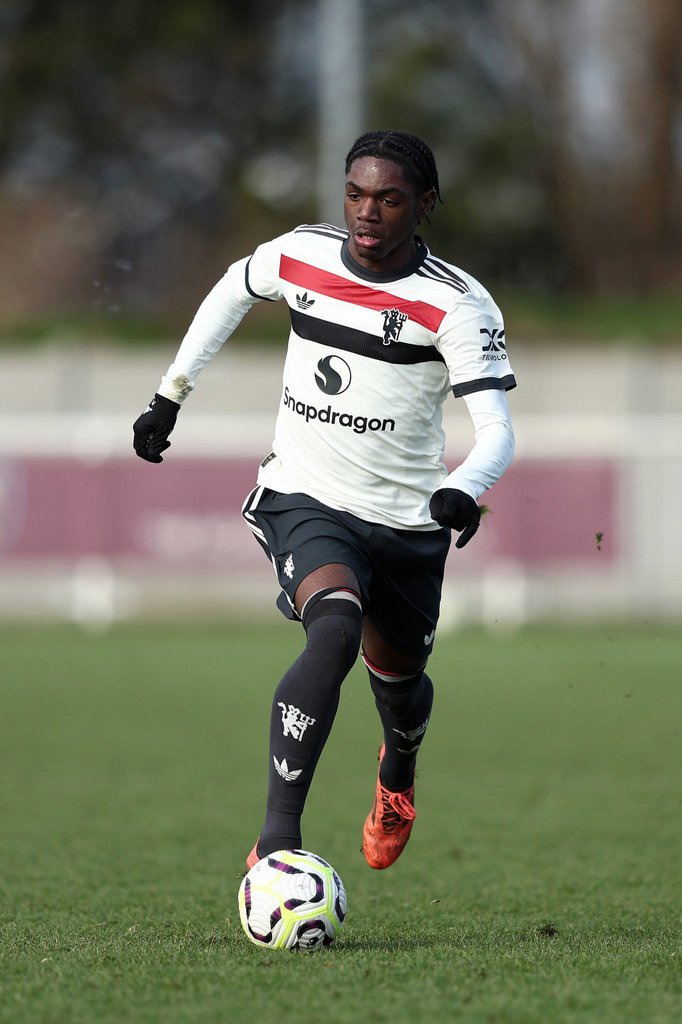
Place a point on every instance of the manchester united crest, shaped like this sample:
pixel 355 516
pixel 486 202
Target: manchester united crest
pixel 393 324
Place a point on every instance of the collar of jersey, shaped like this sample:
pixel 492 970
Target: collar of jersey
pixel 388 275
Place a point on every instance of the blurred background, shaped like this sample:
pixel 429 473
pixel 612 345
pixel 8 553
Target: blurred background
pixel 142 150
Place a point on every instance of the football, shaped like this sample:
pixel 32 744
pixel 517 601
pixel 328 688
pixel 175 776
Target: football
pixel 292 899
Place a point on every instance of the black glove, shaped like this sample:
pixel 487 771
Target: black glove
pixel 151 429
pixel 453 508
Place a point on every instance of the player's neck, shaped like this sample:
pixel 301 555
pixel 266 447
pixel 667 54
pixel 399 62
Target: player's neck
pixel 405 269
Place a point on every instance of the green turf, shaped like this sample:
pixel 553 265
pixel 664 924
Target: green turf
pixel 542 882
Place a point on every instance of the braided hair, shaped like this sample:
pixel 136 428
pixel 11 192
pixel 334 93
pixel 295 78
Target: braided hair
pixel 408 151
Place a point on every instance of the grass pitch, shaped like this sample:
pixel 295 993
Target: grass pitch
pixel 542 882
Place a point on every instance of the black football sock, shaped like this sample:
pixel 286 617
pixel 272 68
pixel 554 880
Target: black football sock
pixel 303 711
pixel 404 706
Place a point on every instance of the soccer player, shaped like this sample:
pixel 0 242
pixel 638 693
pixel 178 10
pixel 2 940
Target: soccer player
pixel 353 505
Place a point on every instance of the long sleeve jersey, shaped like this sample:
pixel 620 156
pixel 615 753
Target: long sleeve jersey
pixel 370 360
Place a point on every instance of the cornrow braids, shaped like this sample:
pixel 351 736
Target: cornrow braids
pixel 408 151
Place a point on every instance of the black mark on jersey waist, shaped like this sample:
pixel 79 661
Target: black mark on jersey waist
pixel 324 332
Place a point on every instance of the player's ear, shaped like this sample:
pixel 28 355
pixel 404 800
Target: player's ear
pixel 427 202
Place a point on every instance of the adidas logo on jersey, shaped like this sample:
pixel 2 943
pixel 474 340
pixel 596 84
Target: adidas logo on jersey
pixel 303 302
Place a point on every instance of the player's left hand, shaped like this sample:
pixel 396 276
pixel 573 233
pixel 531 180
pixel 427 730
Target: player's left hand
pixel 459 511
pixel 151 429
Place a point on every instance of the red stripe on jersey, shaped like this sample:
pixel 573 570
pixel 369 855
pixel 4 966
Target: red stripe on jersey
pixel 313 279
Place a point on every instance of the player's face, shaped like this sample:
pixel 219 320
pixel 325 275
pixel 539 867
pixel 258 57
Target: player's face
pixel 382 209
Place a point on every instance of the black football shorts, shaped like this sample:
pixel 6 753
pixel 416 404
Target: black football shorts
pixel 400 572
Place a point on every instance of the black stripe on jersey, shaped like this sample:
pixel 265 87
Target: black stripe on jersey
pixel 484 384
pixel 324 332
pixel 439 267
pixel 250 289
pixel 437 272
pixel 432 276
pixel 328 230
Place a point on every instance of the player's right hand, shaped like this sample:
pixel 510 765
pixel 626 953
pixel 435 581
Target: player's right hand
pixel 453 508
pixel 151 429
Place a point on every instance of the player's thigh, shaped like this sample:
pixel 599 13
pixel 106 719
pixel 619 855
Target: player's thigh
pixel 382 655
pixel 335 574
pixel 405 592
pixel 310 546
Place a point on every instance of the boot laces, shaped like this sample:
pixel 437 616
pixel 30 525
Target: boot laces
pixel 396 809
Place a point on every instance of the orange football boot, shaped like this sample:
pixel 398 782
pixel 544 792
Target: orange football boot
pixel 388 824
pixel 253 857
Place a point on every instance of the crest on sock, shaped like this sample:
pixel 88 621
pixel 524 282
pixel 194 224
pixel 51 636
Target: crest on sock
pixel 294 721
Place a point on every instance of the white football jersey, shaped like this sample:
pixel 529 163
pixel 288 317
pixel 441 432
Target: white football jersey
pixel 370 361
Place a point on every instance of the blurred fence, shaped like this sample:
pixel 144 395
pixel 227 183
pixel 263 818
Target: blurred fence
pixel 585 525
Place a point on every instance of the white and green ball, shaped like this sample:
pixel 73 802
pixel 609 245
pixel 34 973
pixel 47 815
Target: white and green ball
pixel 292 899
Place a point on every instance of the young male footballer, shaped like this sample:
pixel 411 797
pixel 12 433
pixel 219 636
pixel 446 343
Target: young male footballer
pixel 354 505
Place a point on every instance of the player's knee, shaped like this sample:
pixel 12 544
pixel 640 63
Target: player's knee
pixel 391 688
pixel 332 620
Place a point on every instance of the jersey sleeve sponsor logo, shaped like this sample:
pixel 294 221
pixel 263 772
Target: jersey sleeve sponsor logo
pixel 303 302
pixel 310 278
pixel 493 344
pixel 493 349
